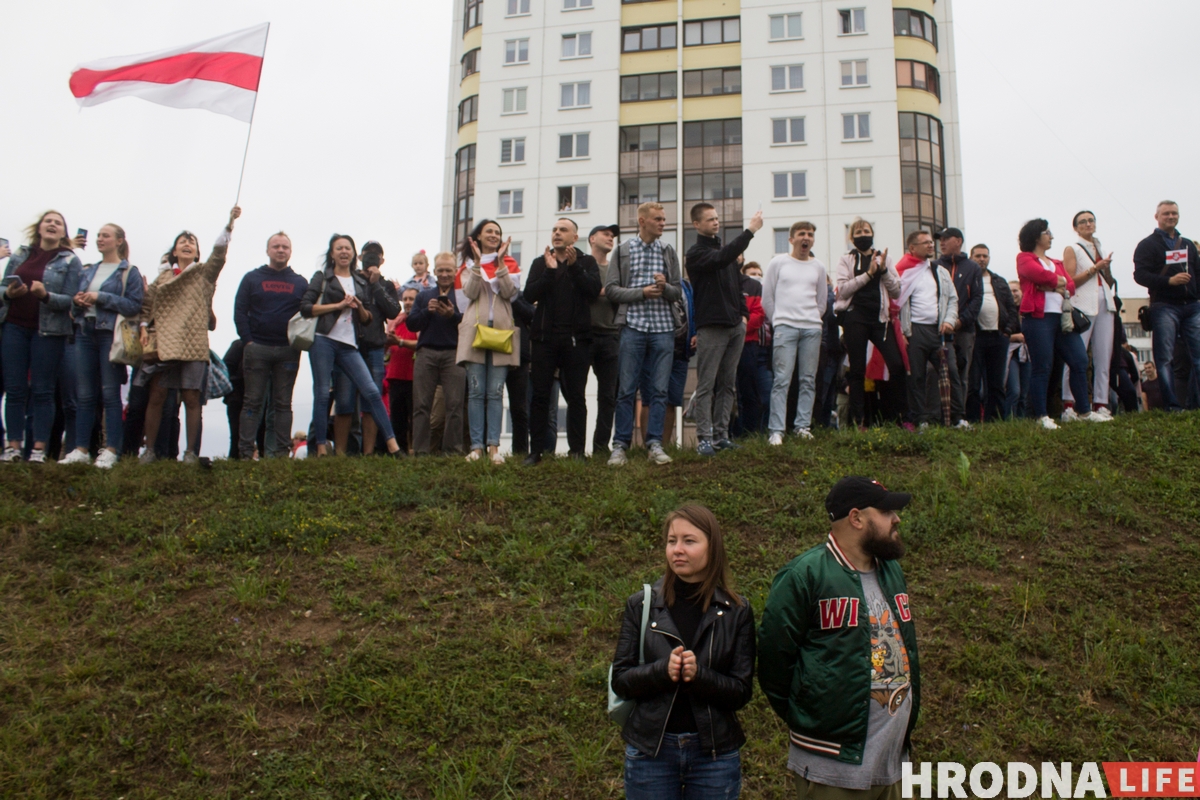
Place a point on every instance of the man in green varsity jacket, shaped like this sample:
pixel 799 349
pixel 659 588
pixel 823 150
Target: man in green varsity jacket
pixel 837 651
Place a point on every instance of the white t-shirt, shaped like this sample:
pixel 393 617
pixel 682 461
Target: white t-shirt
pixel 924 299
pixel 989 312
pixel 103 272
pixel 794 292
pixel 343 329
pixel 1053 299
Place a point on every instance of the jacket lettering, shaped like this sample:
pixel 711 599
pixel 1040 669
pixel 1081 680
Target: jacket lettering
pixel 902 608
pixel 834 612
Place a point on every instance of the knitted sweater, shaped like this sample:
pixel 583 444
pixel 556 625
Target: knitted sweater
pixel 177 307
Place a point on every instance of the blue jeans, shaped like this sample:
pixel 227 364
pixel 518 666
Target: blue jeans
pixel 485 404
pixel 24 351
pixel 637 351
pixel 683 771
pixel 1016 401
pixel 68 394
pixel 324 355
pixel 754 382
pixel 675 383
pixel 97 376
pixel 794 347
pixel 1044 337
pixel 345 396
pixel 1170 321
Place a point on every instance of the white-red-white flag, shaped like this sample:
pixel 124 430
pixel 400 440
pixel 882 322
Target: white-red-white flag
pixel 219 74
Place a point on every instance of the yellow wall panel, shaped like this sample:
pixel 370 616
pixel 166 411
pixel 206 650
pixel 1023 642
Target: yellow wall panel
pixel 469 86
pixel 472 38
pixel 647 13
pixel 468 134
pixel 720 107
pixel 703 9
pixel 712 55
pixel 654 61
pixel 916 49
pixel 915 5
pixel 918 100
pixel 649 112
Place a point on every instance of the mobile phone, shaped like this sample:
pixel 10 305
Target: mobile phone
pixel 11 279
pixel 81 233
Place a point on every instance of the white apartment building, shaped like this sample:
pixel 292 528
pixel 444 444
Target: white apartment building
pixel 811 109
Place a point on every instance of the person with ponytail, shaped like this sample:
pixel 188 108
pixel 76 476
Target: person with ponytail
pixel 109 288
pixel 35 309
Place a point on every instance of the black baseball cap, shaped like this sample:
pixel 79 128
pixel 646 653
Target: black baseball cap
pixel 856 491
pixel 615 230
pixel 955 232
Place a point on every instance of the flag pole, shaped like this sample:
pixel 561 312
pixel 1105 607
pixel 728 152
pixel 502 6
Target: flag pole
pixel 250 130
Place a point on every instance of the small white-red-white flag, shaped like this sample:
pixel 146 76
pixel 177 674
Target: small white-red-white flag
pixel 219 74
pixel 1177 256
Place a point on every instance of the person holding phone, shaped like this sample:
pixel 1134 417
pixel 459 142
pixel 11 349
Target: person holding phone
pixel 1095 296
pixel 108 288
pixel 698 669
pixel 40 282
pixel 336 295
pixel 435 319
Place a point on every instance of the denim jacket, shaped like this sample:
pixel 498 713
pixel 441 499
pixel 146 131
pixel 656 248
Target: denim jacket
pixel 61 280
pixel 110 301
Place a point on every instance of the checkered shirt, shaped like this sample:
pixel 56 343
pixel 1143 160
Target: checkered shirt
pixel 652 315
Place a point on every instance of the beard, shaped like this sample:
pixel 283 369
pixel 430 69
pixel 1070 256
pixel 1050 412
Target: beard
pixel 880 543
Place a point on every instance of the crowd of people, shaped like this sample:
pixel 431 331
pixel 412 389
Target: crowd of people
pixel 422 366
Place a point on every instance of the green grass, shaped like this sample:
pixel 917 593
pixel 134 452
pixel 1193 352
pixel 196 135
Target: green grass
pixel 371 629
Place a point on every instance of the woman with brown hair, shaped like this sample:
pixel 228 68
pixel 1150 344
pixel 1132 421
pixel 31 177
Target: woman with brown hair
pixel 697 671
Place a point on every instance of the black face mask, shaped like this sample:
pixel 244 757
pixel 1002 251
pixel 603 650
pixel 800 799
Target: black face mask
pixel 864 242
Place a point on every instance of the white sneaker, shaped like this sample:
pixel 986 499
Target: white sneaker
pixel 474 455
pixel 1069 415
pixel 1048 424
pixel 37 456
pixel 106 459
pixel 1094 416
pixel 804 433
pixel 1103 412
pixel 924 426
pixel 618 459
pixel 497 458
pixel 775 440
pixel 10 455
pixel 657 454
pixel 963 425
pixel 76 457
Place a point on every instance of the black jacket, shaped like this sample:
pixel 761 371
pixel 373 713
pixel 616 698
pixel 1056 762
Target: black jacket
pixel 968 283
pixel 384 304
pixel 1150 269
pixel 1010 315
pixel 724 678
pixel 325 289
pixel 716 282
pixel 580 287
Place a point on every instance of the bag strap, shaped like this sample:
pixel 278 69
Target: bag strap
pixel 647 595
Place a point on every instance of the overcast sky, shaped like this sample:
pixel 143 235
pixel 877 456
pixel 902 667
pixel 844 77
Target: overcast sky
pixel 1064 106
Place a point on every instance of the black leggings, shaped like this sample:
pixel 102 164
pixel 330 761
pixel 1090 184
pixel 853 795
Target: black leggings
pixel 400 409
pixel 856 335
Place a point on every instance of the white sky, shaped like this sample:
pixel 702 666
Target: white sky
pixel 349 133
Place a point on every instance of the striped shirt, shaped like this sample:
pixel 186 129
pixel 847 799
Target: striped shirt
pixel 652 315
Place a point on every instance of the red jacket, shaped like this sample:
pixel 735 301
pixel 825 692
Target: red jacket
pixel 1035 277
pixel 757 329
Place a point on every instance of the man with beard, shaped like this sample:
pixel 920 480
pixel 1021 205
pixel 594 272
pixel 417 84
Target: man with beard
pixel 837 651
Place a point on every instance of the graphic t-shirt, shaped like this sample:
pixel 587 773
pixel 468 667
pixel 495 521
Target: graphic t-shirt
pixel 890 707
pixel 343 328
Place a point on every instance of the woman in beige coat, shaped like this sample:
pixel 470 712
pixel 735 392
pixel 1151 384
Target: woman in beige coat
pixel 487 283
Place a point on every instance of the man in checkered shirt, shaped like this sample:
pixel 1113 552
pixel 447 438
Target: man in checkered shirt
pixel 644 279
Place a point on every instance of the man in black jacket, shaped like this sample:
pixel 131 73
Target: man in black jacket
pixel 721 318
pixel 435 318
pixel 998 325
pixel 1166 263
pixel 384 304
pixel 968 282
pixel 563 282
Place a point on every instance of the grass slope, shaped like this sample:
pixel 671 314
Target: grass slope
pixel 365 628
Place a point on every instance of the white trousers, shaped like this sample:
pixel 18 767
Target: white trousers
pixel 1098 339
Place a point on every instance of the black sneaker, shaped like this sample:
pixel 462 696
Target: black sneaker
pixel 532 460
pixel 725 444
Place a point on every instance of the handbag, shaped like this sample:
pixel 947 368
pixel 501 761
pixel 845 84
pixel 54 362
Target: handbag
pixel 301 331
pixel 127 343
pixel 219 383
pixel 489 338
pixel 619 709
pixel 1073 320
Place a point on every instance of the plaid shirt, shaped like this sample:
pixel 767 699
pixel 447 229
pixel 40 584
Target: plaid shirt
pixel 652 315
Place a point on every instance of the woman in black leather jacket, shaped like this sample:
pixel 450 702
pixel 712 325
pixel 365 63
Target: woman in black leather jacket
pixel 698 670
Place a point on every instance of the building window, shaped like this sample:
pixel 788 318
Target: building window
pixel 654 86
pixel 516 51
pixel 574 5
pixel 856 127
pixel 576 95
pixel 785 26
pixel 573 145
pixel 712 172
pixel 512 151
pixel 858 181
pixel 572 198
pixel 514 250
pixel 577 45
pixel 918 75
pixel 470 63
pixel 787 78
pixel 790 185
pixel 907 22
pixel 647 167
pixel 512 203
pixel 517 8
pixel 712 31
pixel 922 173
pixel 853 20
pixel 514 101
pixel 703 82
pixel 654 37
pixel 472 14
pixel 468 110
pixel 787 131
pixel 854 73
pixel 782 245
pixel 464 192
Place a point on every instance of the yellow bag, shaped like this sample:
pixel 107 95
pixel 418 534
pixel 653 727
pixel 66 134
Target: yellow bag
pixel 489 338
